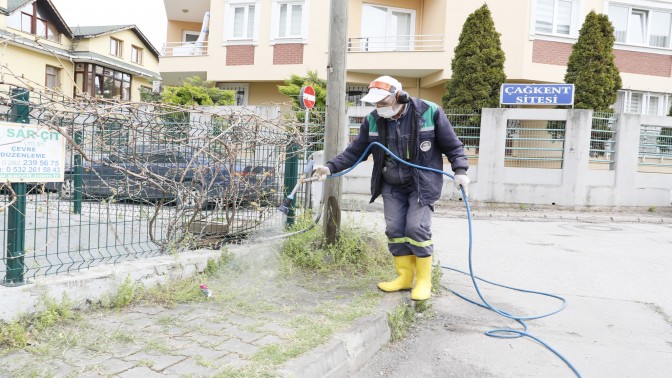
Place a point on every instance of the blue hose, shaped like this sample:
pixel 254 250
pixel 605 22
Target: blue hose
pixel 503 333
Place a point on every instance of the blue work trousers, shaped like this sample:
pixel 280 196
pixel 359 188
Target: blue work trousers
pixel 408 225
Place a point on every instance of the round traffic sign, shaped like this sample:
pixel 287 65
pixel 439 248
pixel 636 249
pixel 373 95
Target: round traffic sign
pixel 307 97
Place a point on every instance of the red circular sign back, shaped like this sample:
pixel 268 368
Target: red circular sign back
pixel 307 97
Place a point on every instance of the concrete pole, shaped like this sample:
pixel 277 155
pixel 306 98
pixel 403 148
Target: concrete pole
pixel 334 137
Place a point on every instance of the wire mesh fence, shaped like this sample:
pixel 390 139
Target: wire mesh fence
pixel 138 179
pixel 534 144
pixel 602 141
pixel 467 125
pixel 655 149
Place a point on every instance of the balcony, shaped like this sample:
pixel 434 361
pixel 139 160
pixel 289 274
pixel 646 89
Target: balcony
pixel 184 49
pixel 417 42
pixel 408 55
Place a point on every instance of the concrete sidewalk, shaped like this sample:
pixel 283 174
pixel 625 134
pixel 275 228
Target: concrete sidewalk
pixel 258 323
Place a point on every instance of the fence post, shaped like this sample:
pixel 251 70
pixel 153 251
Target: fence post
pixel 291 177
pixel 16 216
pixel 77 195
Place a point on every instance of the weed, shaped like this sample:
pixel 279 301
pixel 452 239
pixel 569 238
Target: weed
pixel 401 320
pixel 17 334
pixel 13 335
pixel 437 274
pixel 652 209
pixel 356 251
pixel 125 294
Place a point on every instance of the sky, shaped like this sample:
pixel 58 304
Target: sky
pixel 148 15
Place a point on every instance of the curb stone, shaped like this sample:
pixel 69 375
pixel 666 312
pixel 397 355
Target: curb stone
pixel 347 350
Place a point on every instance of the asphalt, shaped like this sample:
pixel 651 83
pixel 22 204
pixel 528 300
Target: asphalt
pixel 260 322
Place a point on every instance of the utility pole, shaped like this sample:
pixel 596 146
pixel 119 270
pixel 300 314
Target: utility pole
pixel 334 134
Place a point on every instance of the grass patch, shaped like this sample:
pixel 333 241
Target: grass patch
pixel 19 333
pixel 357 251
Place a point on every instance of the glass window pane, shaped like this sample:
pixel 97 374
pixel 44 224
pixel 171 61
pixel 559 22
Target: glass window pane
pixel 250 21
pixel 295 25
pixel 654 103
pixel 544 16
pixel 660 29
pixel 401 24
pixel 26 23
pixel 636 103
pixel 619 18
pixel 373 32
pixel 564 17
pixel 238 22
pixel 282 26
pixel 41 28
pixel 637 27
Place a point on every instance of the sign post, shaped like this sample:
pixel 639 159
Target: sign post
pixel 307 102
pixel 16 216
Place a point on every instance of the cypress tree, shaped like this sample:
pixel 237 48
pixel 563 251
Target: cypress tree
pixel 591 66
pixel 478 64
pixel 592 70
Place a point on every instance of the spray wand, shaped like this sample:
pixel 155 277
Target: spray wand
pixel 307 171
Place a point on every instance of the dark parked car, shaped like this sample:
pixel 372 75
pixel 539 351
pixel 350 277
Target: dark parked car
pixel 160 174
pixel 262 183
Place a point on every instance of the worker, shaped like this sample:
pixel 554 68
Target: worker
pixel 418 132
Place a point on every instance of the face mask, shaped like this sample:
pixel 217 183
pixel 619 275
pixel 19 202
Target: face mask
pixel 387 111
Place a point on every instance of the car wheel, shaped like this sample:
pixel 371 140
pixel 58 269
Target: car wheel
pixel 67 189
pixel 191 196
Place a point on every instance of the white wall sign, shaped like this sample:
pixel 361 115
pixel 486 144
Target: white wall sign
pixel 30 153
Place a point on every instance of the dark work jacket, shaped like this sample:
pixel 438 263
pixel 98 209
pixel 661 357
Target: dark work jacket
pixel 432 136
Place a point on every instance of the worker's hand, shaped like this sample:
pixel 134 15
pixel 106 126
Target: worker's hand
pixel 321 172
pixel 463 181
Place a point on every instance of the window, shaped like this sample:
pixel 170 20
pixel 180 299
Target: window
pixel 32 19
pixel 190 36
pixel 641 26
pixel 116 47
pixel 396 36
pixel 136 54
pixel 241 90
pixel 52 77
pixel 100 81
pixel 243 20
pixel 642 103
pixel 289 20
pixel 559 17
pixel 289 23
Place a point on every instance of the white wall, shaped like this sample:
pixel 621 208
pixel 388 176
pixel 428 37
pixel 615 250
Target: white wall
pixel 573 185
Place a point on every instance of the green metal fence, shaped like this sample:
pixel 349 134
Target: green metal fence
pixel 467 125
pixel 655 149
pixel 602 141
pixel 139 180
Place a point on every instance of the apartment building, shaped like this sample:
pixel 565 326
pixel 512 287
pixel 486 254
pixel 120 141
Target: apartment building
pixel 251 46
pixel 41 50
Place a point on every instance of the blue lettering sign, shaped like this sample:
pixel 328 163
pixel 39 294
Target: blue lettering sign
pixel 537 94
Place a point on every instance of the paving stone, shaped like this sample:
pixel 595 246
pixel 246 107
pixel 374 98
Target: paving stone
pixel 156 361
pixel 192 367
pixel 236 346
pixel 276 329
pixel 268 340
pixel 110 366
pixel 141 371
pixel 232 361
pixel 206 353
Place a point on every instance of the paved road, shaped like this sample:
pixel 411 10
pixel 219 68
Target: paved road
pixel 615 277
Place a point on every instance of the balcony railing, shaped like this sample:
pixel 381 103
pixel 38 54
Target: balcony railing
pixel 417 42
pixel 184 49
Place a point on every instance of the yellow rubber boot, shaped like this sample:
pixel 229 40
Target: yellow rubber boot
pixel 423 279
pixel 406 269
